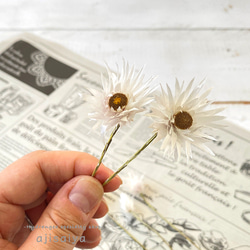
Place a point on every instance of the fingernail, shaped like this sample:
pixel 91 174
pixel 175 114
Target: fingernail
pixel 86 194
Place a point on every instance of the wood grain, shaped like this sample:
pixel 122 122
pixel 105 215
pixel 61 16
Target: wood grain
pixel 125 15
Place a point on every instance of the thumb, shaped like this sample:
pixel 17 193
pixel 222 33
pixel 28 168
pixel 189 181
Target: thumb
pixel 67 216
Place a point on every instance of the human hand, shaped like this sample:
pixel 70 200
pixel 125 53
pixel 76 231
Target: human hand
pixel 56 191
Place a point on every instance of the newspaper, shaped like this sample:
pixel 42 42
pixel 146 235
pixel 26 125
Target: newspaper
pixel 206 201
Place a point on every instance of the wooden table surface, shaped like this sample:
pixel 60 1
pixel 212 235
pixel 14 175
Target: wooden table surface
pixel 180 38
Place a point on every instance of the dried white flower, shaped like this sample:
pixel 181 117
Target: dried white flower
pixel 126 202
pixel 134 184
pixel 124 94
pixel 180 117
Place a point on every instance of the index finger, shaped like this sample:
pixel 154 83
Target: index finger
pixel 28 178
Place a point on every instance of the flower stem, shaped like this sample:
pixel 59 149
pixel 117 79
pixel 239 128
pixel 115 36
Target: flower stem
pixel 132 158
pixel 126 231
pixel 174 227
pixel 106 148
pixel 151 228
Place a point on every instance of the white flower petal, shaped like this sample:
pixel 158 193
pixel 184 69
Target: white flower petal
pixel 191 100
pixel 170 97
pixel 126 82
pixel 177 87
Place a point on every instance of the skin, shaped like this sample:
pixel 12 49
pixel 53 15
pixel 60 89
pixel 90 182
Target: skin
pixel 39 185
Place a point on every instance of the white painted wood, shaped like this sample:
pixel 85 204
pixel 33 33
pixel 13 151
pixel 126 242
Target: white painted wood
pixel 120 14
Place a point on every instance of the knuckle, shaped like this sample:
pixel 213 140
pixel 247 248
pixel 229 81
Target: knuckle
pixel 66 223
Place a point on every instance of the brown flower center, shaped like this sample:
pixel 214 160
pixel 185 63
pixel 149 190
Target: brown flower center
pixel 118 100
pixel 183 120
